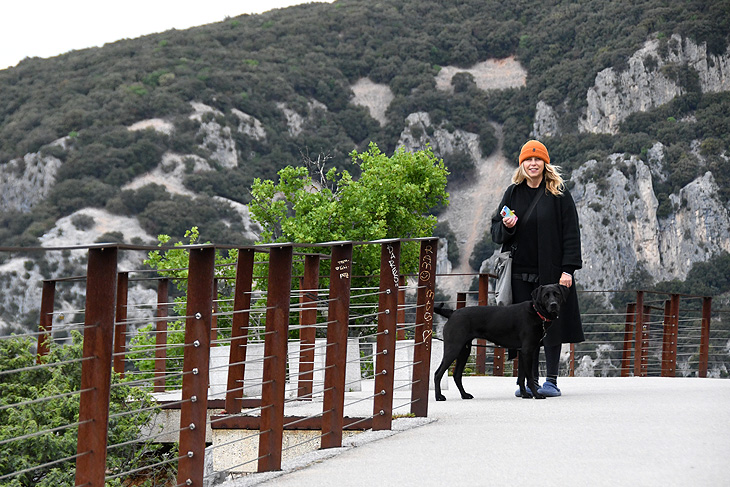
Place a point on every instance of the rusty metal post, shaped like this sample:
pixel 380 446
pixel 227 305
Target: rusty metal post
pixel 96 372
pixel 46 319
pixel 336 359
pixel 674 309
pixel 120 327
pixel 308 331
pixel 401 308
pixel 669 336
pixel 387 325
pixel 705 337
pixel 239 331
pixel 163 307
pixel 460 300
pixel 666 334
pixel 424 327
pixel 628 339
pixel 481 351
pixel 196 367
pixel 640 336
pixel 275 350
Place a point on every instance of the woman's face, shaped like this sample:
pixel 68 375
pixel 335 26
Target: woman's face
pixel 534 167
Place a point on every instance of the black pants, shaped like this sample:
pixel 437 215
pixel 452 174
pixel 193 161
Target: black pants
pixel 522 291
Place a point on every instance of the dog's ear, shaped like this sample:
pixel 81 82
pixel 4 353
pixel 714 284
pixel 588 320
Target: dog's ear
pixel 536 293
pixel 565 291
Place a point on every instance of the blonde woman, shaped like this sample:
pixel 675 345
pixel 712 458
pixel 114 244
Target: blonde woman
pixel 545 246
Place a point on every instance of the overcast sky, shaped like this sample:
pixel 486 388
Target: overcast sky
pixel 46 28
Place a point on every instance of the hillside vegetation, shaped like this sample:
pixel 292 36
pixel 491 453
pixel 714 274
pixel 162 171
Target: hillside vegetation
pixel 303 61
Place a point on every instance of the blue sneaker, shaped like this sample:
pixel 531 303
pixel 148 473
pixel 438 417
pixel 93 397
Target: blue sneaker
pixel 549 389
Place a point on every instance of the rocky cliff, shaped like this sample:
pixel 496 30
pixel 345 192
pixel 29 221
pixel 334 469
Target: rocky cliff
pixel 662 70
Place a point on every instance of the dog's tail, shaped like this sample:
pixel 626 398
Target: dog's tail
pixel 440 310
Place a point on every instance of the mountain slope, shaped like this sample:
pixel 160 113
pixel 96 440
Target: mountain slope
pixel 171 129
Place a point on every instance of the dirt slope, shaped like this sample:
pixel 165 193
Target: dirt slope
pixel 470 211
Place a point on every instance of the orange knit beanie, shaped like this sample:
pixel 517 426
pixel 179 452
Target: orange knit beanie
pixel 534 148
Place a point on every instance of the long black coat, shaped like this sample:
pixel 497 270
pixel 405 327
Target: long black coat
pixel 559 250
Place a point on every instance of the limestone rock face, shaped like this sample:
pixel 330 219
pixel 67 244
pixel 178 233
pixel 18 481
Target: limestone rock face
pixel 648 82
pixel 419 132
pixel 621 232
pixel 27 181
pixel 217 140
pixel 546 122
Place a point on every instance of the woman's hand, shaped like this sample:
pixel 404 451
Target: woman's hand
pixel 566 279
pixel 509 222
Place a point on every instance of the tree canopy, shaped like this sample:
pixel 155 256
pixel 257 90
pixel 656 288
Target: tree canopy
pixel 391 199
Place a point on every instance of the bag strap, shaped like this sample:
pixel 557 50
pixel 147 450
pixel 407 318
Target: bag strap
pixel 534 202
pixel 513 247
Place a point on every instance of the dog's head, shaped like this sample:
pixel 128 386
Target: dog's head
pixel 549 298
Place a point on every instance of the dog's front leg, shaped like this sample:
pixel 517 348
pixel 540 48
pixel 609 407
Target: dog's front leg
pixel 526 369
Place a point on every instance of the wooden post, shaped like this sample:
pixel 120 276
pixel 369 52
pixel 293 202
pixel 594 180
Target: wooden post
pixel 705 337
pixel 308 330
pixel 101 284
pixel 387 324
pixel 120 327
pixel 196 367
pixel 424 327
pixel 628 339
pixel 163 295
pixel 336 360
pixel 275 350
pixel 46 319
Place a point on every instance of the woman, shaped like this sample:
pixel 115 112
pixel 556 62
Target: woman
pixel 545 247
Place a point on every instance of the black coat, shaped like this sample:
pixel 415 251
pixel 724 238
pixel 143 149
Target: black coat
pixel 559 251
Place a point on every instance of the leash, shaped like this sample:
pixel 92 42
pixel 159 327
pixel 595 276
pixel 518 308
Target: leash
pixel 545 322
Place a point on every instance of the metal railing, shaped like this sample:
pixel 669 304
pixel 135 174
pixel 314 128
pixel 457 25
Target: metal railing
pixel 112 362
pixel 274 353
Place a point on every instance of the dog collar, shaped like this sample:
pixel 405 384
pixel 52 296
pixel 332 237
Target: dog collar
pixel 545 320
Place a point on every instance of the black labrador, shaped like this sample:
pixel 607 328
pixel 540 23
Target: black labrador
pixel 520 326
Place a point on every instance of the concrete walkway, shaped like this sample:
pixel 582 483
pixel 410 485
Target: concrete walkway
pixel 601 432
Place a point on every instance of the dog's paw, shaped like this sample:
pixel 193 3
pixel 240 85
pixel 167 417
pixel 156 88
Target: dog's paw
pixel 440 397
pixel 466 395
pixel 526 395
pixel 539 396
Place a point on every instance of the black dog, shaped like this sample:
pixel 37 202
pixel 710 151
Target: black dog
pixel 519 326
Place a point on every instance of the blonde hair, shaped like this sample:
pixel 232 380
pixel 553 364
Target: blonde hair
pixel 553 180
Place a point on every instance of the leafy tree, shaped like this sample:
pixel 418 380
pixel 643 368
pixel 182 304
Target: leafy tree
pixel 173 264
pixel 391 199
pixel 55 381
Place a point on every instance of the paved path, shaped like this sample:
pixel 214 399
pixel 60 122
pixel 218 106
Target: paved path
pixel 601 432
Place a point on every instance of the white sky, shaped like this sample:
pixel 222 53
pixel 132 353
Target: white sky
pixel 47 28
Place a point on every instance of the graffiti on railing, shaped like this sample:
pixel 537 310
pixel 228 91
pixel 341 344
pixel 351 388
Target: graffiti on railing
pixel 343 267
pixel 391 264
